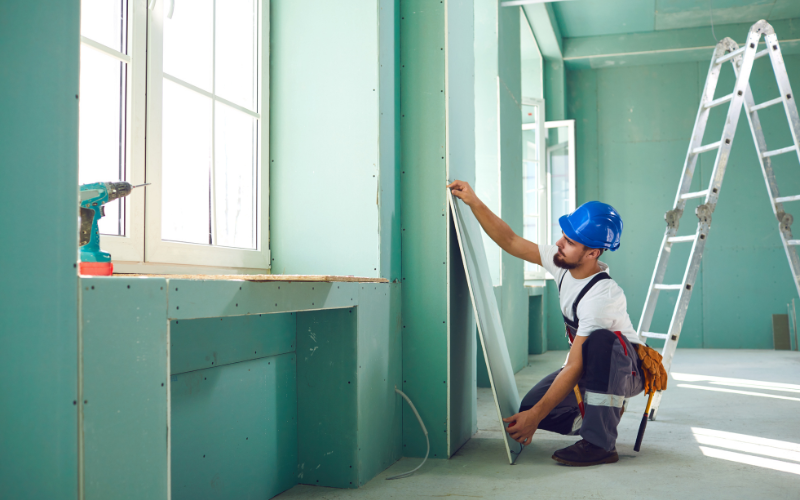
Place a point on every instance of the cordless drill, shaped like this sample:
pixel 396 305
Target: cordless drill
pixel 94 261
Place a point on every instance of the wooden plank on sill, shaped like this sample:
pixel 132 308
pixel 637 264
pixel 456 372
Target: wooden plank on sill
pixel 260 277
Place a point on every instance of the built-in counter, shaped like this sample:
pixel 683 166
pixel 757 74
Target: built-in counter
pixel 195 387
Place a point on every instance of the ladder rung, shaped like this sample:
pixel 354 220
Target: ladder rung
pixel 793 242
pixel 655 335
pixel 698 194
pixel 765 154
pixel 767 104
pixel 784 199
pixel 681 239
pixel 667 287
pixel 761 54
pixel 707 147
pixel 717 102
pixel 731 55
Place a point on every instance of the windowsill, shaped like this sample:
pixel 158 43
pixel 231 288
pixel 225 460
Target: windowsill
pixel 535 287
pixel 255 277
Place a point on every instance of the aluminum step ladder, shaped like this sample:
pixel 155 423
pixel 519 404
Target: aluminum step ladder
pixel 742 59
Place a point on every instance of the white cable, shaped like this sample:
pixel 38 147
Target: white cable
pixel 424 430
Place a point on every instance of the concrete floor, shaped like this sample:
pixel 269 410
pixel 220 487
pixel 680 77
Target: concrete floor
pixel 733 436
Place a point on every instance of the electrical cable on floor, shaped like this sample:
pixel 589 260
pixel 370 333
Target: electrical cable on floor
pixel 424 430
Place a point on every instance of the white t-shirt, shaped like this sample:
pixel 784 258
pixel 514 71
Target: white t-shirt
pixel 604 307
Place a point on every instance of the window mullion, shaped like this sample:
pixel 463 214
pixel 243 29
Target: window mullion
pixel 212 174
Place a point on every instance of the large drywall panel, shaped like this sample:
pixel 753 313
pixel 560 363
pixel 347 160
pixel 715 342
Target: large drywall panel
pixel 234 430
pixel 424 223
pixel 380 370
pixel 196 344
pixel 631 148
pixel 327 398
pixel 39 198
pixel 125 385
pixel 325 140
pixel 490 328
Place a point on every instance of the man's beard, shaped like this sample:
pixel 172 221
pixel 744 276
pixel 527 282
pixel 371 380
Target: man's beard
pixel 560 262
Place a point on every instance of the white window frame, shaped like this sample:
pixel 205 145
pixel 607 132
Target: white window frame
pixel 168 252
pixel 141 249
pixel 543 215
pixel 570 124
pixel 130 246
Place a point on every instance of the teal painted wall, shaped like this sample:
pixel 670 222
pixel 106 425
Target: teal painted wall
pixel 39 307
pixel 632 129
pixel 514 301
pixel 333 181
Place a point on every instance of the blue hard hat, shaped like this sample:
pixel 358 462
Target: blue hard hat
pixel 593 224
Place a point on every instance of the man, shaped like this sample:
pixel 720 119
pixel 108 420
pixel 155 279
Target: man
pixel 602 359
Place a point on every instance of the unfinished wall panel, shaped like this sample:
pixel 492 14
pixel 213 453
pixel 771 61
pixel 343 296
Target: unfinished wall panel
pixel 234 430
pixel 39 310
pixel 125 389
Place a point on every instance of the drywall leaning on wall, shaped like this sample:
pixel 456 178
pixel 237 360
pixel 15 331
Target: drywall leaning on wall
pixel 490 329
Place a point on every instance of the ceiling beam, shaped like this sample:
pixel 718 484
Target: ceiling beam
pixel 665 46
pixel 545 29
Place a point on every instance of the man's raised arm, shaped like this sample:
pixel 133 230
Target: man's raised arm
pixel 495 227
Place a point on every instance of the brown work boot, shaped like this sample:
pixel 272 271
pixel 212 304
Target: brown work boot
pixel 584 453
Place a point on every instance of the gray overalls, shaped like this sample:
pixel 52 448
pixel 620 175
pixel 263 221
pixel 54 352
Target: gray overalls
pixel 611 373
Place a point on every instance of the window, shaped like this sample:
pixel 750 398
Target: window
pixel 188 76
pixel 534 199
pixel 548 169
pixel 560 174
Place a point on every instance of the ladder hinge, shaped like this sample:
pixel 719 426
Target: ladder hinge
pixel 673 218
pixel 786 220
pixel 704 212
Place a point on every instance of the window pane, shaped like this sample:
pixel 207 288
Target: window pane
pixel 188 42
pixel 235 177
pixel 529 113
pixel 101 133
pixel 558 165
pixel 236 55
pixel 105 21
pixel 185 166
pixel 530 231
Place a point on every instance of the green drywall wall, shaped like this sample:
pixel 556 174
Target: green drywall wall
pixel 234 430
pixel 125 388
pixel 325 140
pixel 537 340
pixel 462 419
pixel 555 90
pixel 666 46
pixel 389 137
pixel 196 344
pixel 514 302
pixel 380 370
pixel 424 224
pixel 38 314
pixel 633 126
pixel 530 62
pixel 327 398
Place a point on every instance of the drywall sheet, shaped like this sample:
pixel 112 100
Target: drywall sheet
pixel 327 398
pixel 490 329
pixel 380 409
pixel 196 344
pixel 38 312
pixel 234 430
pixel 124 401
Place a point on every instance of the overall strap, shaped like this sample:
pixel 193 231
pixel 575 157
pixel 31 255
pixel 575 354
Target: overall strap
pixel 562 280
pixel 597 278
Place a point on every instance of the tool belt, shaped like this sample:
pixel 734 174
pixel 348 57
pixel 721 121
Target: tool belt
pixel 655 376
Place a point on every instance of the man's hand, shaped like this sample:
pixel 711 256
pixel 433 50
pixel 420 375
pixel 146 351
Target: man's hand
pixel 522 426
pixel 464 192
